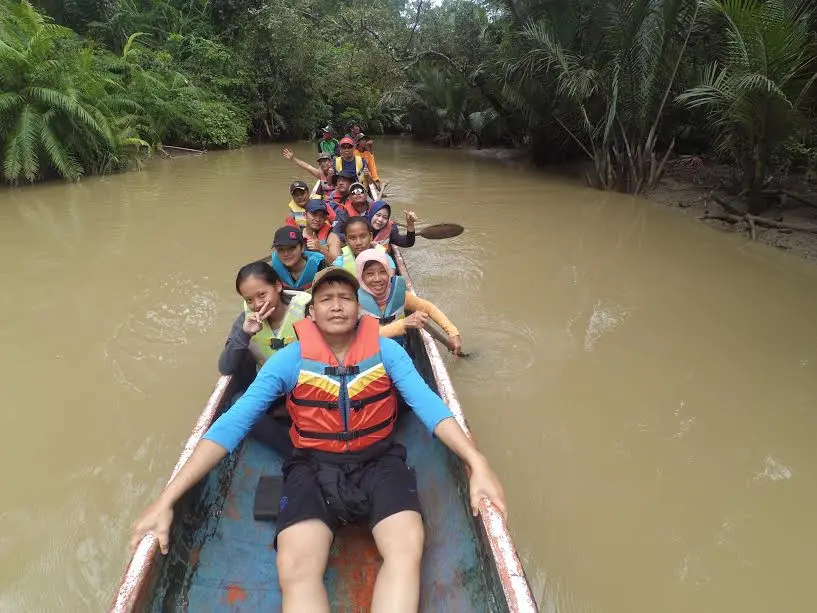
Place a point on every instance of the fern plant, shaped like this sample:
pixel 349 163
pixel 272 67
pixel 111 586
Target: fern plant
pixel 44 117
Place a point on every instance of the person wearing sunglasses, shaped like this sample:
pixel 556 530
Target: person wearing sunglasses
pixel 356 206
pixel 350 161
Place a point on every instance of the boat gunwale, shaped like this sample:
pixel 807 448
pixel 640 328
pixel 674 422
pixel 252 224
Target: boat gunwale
pixel 143 563
pixel 509 567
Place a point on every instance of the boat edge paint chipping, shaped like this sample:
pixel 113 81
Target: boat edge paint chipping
pixel 133 587
pixel 508 565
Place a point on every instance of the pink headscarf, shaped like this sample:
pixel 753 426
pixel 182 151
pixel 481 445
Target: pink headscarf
pixel 373 255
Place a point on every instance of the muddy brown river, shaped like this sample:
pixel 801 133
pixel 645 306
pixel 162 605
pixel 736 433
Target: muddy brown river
pixel 645 386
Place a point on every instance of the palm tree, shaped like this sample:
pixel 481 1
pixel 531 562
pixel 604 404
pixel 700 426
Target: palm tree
pixel 756 94
pixel 440 104
pixel 603 70
pixel 44 118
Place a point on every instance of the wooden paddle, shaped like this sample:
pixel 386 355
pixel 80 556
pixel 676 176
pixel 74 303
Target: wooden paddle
pixel 443 339
pixel 436 231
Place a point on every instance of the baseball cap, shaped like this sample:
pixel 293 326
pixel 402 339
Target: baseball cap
pixel 354 186
pixel 333 272
pixel 347 140
pixel 326 129
pixel 298 185
pixel 360 136
pixel 287 237
pixel 324 156
pixel 347 174
pixel 314 205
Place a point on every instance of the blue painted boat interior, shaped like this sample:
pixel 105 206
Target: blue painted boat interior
pixel 222 560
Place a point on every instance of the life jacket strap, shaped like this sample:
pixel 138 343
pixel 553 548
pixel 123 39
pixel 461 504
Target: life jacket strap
pixel 332 405
pixel 346 436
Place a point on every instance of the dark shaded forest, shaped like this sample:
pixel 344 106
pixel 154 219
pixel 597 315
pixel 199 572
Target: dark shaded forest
pixel 94 86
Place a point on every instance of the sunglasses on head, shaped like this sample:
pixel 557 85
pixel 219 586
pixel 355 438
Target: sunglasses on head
pixel 357 191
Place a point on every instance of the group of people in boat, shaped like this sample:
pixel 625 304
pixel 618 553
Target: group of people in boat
pixel 318 354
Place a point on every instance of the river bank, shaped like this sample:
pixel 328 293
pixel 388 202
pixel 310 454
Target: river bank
pixel 687 185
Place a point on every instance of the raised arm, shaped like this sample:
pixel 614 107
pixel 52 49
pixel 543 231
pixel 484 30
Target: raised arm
pixel 315 172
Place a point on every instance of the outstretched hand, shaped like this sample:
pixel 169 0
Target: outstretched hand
pixel 155 520
pixel 456 344
pixel 287 153
pixel 485 484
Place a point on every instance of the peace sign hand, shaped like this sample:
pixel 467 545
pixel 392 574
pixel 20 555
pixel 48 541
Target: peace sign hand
pixel 253 322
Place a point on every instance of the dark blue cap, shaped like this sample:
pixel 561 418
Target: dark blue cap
pixel 314 205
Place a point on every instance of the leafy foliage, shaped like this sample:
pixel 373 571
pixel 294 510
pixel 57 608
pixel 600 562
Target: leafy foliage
pixel 755 92
pixel 621 82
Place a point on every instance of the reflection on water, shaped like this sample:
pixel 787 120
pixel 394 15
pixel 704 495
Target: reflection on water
pixel 643 384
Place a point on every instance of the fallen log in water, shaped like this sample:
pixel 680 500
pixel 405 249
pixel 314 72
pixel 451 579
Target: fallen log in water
pixel 753 220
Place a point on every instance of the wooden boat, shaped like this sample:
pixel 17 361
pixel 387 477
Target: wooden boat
pixel 222 560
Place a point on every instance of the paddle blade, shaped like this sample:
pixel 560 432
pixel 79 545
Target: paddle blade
pixel 441 230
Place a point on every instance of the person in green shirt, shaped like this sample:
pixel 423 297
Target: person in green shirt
pixel 328 144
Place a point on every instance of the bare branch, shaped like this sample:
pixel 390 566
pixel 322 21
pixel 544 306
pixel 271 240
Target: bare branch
pixel 414 28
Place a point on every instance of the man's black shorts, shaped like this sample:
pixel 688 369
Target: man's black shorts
pixel 389 484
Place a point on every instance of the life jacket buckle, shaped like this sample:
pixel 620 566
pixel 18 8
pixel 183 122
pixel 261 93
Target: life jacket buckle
pixel 347 436
pixel 278 343
pixel 340 371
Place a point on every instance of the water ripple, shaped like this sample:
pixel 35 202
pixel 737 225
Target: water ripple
pixel 162 320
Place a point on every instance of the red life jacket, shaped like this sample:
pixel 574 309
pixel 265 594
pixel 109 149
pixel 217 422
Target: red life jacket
pixel 322 234
pixel 352 211
pixel 317 421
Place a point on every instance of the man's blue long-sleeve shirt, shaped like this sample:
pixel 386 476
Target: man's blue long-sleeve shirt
pixel 279 376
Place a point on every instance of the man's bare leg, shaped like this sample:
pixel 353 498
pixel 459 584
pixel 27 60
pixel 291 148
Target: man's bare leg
pixel 399 539
pixel 303 550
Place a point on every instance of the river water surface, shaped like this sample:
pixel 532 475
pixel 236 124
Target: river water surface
pixel 645 386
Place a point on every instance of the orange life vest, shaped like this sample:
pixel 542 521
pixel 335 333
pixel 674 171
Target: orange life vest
pixel 320 420
pixel 352 211
pixel 322 234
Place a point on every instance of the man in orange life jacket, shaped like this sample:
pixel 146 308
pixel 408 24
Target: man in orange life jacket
pixel 357 205
pixel 340 195
pixel 341 378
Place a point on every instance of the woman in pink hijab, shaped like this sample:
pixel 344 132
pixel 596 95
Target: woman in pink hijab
pixel 383 295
